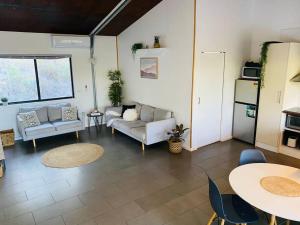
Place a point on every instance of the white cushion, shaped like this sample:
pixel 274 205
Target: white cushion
pixel 41 129
pixel 130 115
pixel 65 125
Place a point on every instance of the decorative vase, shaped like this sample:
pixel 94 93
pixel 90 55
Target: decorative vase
pixel 175 147
pixel 156 42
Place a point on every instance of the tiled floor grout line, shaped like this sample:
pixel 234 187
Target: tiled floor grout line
pixel 33 218
pixel 63 219
pixel 52 196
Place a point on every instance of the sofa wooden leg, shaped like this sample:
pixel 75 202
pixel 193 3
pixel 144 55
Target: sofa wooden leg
pixel 143 147
pixel 77 134
pixel 112 130
pixel 34 144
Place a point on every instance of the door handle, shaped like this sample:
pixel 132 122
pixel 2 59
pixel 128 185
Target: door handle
pixel 198 100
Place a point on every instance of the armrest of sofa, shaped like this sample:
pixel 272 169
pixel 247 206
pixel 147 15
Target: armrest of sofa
pixel 117 110
pixel 21 127
pixel 158 130
pixel 81 117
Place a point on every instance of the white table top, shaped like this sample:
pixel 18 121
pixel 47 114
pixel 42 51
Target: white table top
pixel 245 181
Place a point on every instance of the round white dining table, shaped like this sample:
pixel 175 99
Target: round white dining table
pixel 245 181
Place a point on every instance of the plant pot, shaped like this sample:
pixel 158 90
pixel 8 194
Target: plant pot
pixel 5 103
pixel 175 147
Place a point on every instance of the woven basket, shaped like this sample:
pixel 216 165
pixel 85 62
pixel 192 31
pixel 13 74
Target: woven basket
pixel 175 147
pixel 7 137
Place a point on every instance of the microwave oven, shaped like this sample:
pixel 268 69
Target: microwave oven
pixel 293 122
pixel 251 72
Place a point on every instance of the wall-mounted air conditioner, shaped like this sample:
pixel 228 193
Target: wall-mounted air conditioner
pixel 70 41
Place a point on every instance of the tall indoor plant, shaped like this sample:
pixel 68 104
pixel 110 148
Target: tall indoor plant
pixel 115 89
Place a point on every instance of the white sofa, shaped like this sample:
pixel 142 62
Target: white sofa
pixel 51 123
pixel 151 127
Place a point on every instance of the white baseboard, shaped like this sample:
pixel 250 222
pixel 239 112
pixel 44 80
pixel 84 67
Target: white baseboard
pixel 267 147
pixel 226 138
pixel 186 147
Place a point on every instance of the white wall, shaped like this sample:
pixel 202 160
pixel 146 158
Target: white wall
pixel 221 26
pixel 269 18
pixel 224 26
pixel 172 20
pixel 38 43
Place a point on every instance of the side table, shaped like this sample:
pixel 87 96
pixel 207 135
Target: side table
pixel 98 119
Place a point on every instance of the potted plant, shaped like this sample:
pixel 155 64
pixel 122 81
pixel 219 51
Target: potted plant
pixel 4 101
pixel 115 89
pixel 264 59
pixel 175 140
pixel 136 47
pixel 156 42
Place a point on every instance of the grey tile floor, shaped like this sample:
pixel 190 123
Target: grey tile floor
pixel 124 187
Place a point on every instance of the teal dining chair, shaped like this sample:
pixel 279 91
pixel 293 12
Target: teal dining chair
pixel 252 156
pixel 230 207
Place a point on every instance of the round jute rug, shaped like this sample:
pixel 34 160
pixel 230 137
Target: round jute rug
pixel 69 156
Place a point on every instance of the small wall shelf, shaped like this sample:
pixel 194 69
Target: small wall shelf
pixel 293 152
pixel 293 130
pixel 150 52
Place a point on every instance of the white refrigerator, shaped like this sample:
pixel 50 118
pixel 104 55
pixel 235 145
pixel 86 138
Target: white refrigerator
pixel 245 110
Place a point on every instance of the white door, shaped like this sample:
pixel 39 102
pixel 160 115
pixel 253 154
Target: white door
pixel 208 97
pixel 271 98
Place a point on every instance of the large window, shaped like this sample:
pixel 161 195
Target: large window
pixel 28 79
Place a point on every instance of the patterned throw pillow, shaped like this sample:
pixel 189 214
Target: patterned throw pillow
pixel 69 113
pixel 29 119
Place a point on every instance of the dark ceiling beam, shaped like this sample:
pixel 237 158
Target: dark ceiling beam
pixel 69 16
pixel 103 23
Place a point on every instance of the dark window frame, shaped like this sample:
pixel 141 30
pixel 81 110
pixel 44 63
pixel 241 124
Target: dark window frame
pixel 34 58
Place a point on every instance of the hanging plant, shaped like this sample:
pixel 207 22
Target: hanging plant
pixel 264 59
pixel 136 47
pixel 115 89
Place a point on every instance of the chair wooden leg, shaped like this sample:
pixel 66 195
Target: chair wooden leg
pixel 143 147
pixel 112 130
pixel 222 222
pixel 288 222
pixel 212 218
pixel 77 134
pixel 273 220
pixel 34 144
